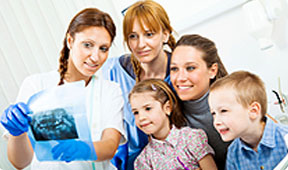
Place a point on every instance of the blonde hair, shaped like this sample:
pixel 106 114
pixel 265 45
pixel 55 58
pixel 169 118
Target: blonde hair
pixel 249 88
pixel 153 16
pixel 161 92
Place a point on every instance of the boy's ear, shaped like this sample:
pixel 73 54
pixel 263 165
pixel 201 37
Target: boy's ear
pixel 213 70
pixel 254 110
pixel 167 108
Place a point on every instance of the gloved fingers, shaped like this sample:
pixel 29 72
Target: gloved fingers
pixel 60 149
pixel 18 118
pixel 15 119
pixel 10 127
pixel 72 152
pixel 68 158
pixel 4 116
pixel 10 122
pixel 79 151
pixel 16 123
pixel 15 114
pixel 24 110
pixel 56 151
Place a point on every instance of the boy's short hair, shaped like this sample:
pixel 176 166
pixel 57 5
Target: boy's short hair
pixel 249 88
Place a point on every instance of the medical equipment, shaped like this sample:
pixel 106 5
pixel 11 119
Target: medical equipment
pixel 262 15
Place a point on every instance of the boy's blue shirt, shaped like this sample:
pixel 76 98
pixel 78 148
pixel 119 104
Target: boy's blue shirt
pixel 271 150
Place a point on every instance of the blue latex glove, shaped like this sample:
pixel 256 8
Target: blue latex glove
pixel 15 119
pixel 70 150
pixel 120 158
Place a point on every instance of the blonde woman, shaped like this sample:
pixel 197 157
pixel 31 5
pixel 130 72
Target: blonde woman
pixel 147 30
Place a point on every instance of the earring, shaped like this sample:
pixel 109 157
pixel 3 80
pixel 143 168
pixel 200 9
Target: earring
pixel 68 46
pixel 169 114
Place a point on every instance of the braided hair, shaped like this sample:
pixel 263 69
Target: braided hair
pixel 84 19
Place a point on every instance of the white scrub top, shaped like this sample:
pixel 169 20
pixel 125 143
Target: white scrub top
pixel 107 112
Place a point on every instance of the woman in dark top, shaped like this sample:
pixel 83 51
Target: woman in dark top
pixel 195 65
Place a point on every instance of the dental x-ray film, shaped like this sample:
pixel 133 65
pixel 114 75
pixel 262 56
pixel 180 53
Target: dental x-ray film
pixel 59 116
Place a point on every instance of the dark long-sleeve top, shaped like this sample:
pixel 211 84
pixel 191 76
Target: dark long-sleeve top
pixel 198 115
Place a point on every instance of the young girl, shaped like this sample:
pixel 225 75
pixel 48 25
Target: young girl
pixel 195 65
pixel 85 49
pixel 171 145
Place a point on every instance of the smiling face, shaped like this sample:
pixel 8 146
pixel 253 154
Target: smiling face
pixel 146 44
pixel 231 119
pixel 189 73
pixel 150 116
pixel 88 51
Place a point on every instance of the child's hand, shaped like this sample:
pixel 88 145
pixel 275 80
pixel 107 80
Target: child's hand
pixel 71 150
pixel 15 119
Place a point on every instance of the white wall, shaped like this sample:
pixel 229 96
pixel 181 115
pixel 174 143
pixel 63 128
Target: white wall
pixel 227 24
pixel 240 51
pixel 32 31
pixel 31 34
pixel 230 29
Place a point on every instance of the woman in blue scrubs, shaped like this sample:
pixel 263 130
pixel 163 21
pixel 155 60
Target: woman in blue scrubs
pixel 146 29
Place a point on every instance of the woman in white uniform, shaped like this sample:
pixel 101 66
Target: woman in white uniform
pixel 85 49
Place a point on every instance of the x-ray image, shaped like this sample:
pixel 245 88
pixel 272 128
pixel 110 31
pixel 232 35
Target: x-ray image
pixel 55 124
pixel 58 115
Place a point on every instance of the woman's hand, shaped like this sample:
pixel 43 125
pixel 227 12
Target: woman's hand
pixel 71 150
pixel 15 119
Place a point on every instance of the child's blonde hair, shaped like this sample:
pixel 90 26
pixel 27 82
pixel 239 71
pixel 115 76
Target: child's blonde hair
pixel 249 88
pixel 162 93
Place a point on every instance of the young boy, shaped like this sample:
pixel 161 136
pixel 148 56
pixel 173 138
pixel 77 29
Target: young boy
pixel 238 104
